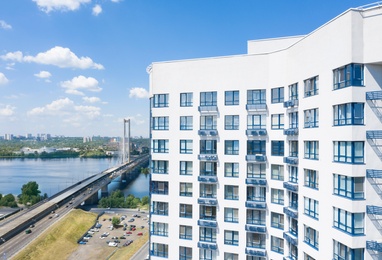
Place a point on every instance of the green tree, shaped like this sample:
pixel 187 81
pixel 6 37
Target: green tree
pixel 30 194
pixel 145 200
pixel 145 170
pixel 8 201
pixel 115 221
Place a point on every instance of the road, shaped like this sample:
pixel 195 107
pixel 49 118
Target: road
pixel 142 253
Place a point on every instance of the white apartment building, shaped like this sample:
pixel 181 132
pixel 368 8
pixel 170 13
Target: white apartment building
pixel 275 154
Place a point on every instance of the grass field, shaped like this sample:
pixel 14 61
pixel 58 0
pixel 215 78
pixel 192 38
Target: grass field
pixel 128 252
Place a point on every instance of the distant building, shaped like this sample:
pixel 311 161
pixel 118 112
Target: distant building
pixel 8 137
pixel 87 139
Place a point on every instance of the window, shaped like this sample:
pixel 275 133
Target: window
pixel 160 100
pixel 311 207
pixel 231 98
pixel 231 123
pixel 277 121
pixel 159 208
pixel 342 252
pixel 256 217
pixel 293 148
pixel 293 226
pixel 231 192
pixel 293 174
pixel 348 114
pixel 311 150
pixel 207 254
pixel 293 120
pixel 208 99
pixel 231 169
pixel 311 118
pixel 349 75
pixel 159 229
pixel 208 122
pixel 311 86
pixel 293 91
pixel 277 196
pixel 256 170
pixel 208 168
pixel 293 200
pixel 160 167
pixel 185 189
pixel 277 220
pixel 159 187
pixel 277 244
pixel 185 211
pixel 277 172
pixel 256 97
pixel 348 152
pixel 249 257
pixel 160 123
pixel 208 146
pixel 207 190
pixel 185 168
pixel 231 256
pixel 186 123
pixel 349 187
pixel 277 148
pixel 293 251
pixel 186 99
pixel 256 240
pixel 311 236
pixel 185 232
pixel 231 215
pixel 160 250
pixel 231 237
pixel 255 122
pixel 311 178
pixel 186 146
pixel 207 212
pixel 160 146
pixel 256 193
pixel 185 253
pixel 352 223
pixel 308 257
pixel 255 147
pixel 207 234
pixel 277 95
pixel 231 147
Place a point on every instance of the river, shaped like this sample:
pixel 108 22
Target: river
pixel 53 175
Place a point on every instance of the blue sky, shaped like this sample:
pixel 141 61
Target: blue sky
pixel 78 67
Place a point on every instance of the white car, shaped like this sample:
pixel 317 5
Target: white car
pixel 113 244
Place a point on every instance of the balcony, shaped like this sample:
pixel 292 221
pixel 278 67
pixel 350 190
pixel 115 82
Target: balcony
pixel 208 132
pixel 291 160
pixel 256 204
pixel 256 107
pixel 291 186
pixel 374 245
pixel 374 98
pixel 208 109
pixel 256 181
pixel 205 245
pixel 207 223
pixel 255 228
pixel 208 179
pixel 290 238
pixel 375 179
pixel 207 201
pixel 291 212
pixel 374 138
pixel 256 158
pixel 256 132
pixel 208 157
pixel 255 251
pixel 291 103
pixel 291 131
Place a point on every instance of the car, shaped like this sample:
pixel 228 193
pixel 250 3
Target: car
pixel 28 231
pixel 131 220
pixel 124 228
pixel 86 238
pixel 140 234
pixel 135 215
pixel 50 217
pixel 31 226
pixel 113 244
pixel 82 242
pixel 122 237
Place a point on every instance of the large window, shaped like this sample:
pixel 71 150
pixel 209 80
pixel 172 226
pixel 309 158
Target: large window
pixel 207 234
pixel 207 254
pixel 231 169
pixel 208 99
pixel 231 215
pixel 277 121
pixel 159 187
pixel 349 187
pixel 256 170
pixel 311 178
pixel 186 99
pixel 186 123
pixel 208 146
pixel 159 208
pixel 160 123
pixel 231 237
pixel 311 207
pixel 185 189
pixel 348 152
pixel 231 256
pixel 159 229
pixel 277 148
pixel 256 240
pixel 349 75
pixel 231 147
pixel 311 118
pixel 277 220
pixel 293 91
pixel 207 190
pixel 255 147
pixel 255 122
pixel 208 122
pixel 277 245
pixel 293 174
pixel 232 98
pixel 348 114
pixel 311 236
pixel 277 196
pixel 231 122
pixel 160 146
pixel 293 148
pixel 293 120
pixel 256 193
pixel 160 100
pixel 277 172
pixel 231 192
pixel 256 217
pixel 159 167
pixel 293 200
pixel 311 86
pixel 186 146
pixel 311 150
pixel 277 95
pixel 352 223
pixel 185 168
pixel 160 250
pixel 207 212
pixel 185 211
pixel 208 168
pixel 185 232
pixel 185 253
pixel 256 97
pixel 342 252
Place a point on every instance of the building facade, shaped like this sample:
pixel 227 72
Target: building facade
pixel 275 154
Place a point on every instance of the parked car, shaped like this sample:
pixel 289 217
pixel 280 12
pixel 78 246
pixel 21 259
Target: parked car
pixel 28 231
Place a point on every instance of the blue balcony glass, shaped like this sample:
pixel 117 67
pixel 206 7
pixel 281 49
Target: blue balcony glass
pixel 256 228
pixel 291 186
pixel 291 131
pixel 373 210
pixel 208 109
pixel 373 173
pixel 208 157
pixel 207 223
pixel 208 179
pixel 256 204
pixel 207 201
pixel 291 160
pixel 291 212
pixel 255 252
pixel 374 95
pixel 208 132
pixel 291 103
pixel 204 245
pixel 255 158
pixel 256 181
pixel 256 132
pixel 374 245
pixel 256 107
pixel 290 238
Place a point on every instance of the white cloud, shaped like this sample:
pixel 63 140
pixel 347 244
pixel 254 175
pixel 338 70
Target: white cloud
pixel 60 5
pixel 91 99
pixel 89 111
pixel 7 111
pixel 43 74
pixel 13 56
pixel 97 9
pixel 4 25
pixel 3 79
pixel 116 1
pixel 139 93
pixel 76 84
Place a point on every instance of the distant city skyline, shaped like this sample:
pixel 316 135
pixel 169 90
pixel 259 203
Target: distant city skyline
pixel 78 67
